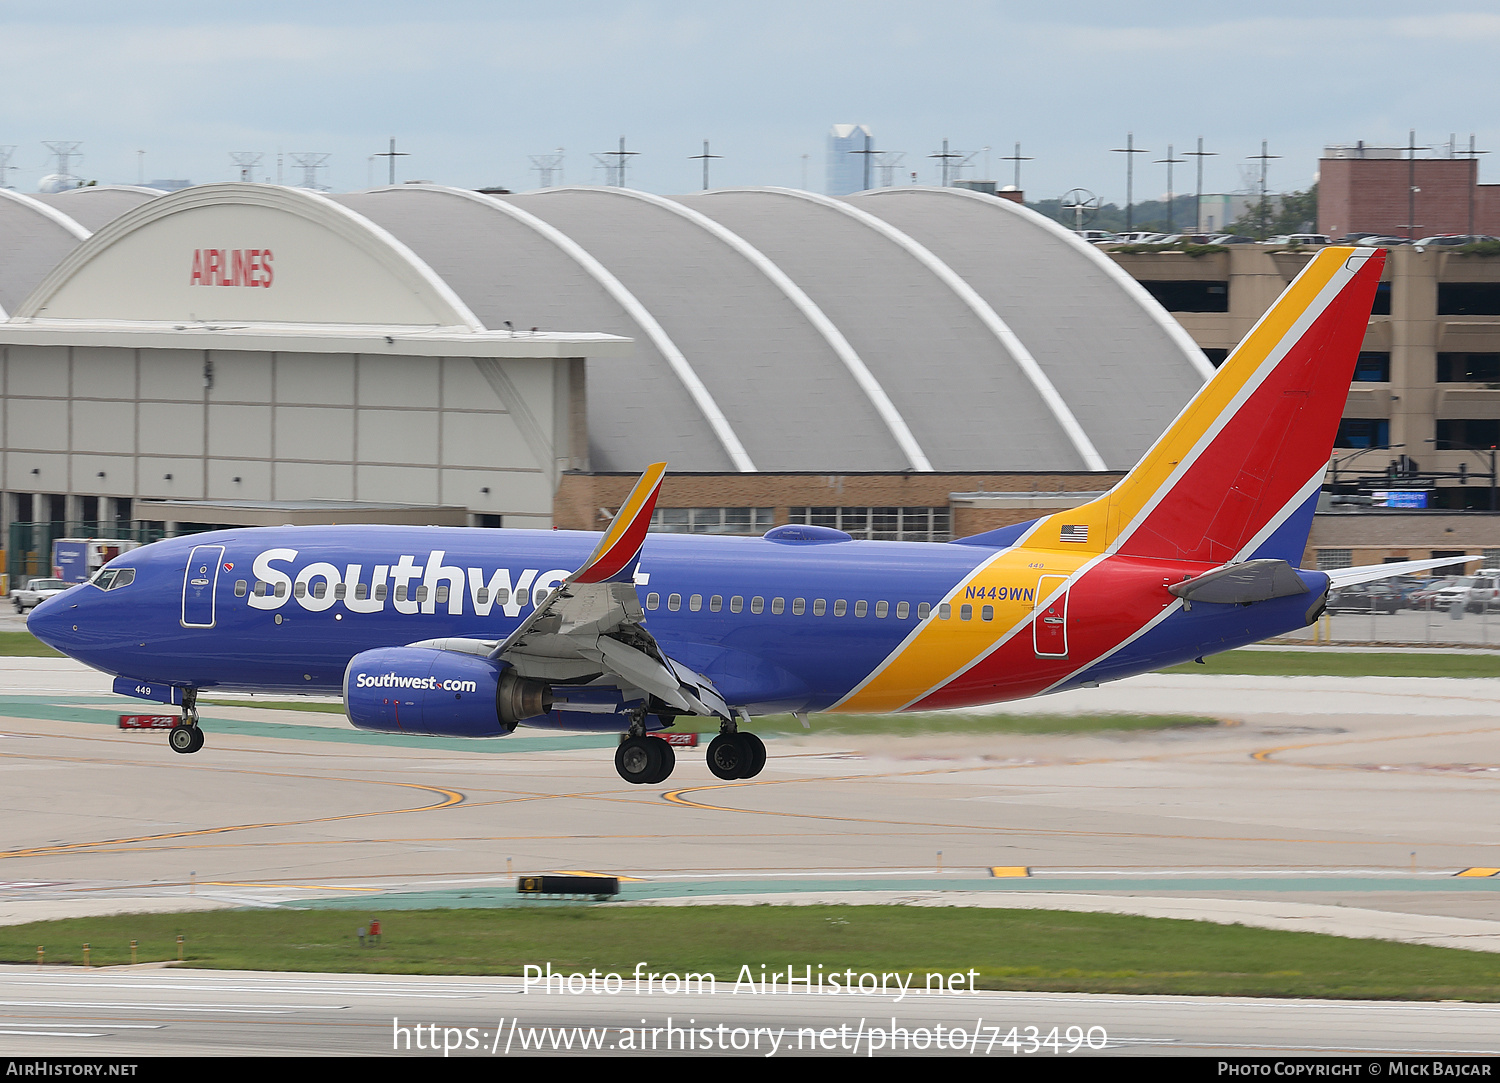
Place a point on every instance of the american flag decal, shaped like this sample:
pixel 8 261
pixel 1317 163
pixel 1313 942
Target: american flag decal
pixel 1078 533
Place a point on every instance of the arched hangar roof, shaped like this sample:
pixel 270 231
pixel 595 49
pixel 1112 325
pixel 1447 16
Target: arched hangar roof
pixel 901 329
pixel 898 329
pixel 34 238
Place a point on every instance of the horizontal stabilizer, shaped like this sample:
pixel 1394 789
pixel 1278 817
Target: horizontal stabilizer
pixel 1237 584
pixel 1371 573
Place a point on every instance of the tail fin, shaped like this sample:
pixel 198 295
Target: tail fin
pixel 615 558
pixel 1238 472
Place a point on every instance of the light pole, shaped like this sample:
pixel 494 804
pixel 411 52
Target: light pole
pixel 1455 445
pixel 1334 464
pixel 1130 150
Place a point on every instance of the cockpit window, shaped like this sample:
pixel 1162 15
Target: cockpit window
pixel 113 578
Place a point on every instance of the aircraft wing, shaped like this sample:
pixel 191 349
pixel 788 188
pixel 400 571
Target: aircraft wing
pixel 593 623
pixel 1369 573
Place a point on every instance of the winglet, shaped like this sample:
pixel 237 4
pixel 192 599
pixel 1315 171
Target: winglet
pixel 615 558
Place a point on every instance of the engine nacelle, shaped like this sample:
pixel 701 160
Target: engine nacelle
pixel 438 693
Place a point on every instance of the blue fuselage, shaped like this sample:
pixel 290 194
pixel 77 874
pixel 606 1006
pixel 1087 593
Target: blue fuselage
pixel 775 625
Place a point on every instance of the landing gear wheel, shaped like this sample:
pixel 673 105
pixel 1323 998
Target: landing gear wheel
pixel 640 760
pixel 185 739
pixel 755 754
pixel 668 760
pixel 727 756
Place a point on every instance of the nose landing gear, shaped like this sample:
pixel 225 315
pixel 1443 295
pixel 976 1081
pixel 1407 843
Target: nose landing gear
pixel 186 736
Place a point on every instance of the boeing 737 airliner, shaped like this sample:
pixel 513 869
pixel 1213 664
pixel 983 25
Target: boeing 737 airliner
pixel 461 632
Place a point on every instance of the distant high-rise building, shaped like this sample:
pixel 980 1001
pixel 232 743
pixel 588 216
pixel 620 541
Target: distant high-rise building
pixel 846 169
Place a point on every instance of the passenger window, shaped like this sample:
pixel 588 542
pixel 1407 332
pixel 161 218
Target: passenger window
pixel 799 606
pixel 966 612
pixel 300 590
pixel 482 595
pixel 320 590
pixel 340 590
pixel 819 607
pixel 695 603
pixel 736 604
pixel 281 590
pixel 401 593
pixel 382 591
pixel 778 606
pixel 439 594
pixel 945 611
pixel 522 596
pixel 422 593
pixel 840 607
pixel 674 602
pixel 502 595
pixel 653 600
pixel 716 603
pixel 260 589
pixel 987 613
pixel 882 608
pixel 903 610
pixel 861 607
pixel 361 591
pixel 240 588
pixel 757 604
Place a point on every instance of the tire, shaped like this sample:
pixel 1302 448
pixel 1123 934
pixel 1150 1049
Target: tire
pixel 639 759
pixel 185 739
pixel 755 755
pixel 726 757
pixel 668 760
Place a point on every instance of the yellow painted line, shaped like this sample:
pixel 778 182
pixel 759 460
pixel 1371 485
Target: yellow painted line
pixel 1005 872
pixel 449 798
pixel 600 875
pixel 1477 872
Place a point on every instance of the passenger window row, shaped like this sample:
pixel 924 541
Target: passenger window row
pixel 382 591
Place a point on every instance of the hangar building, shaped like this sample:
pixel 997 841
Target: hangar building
pixel 245 353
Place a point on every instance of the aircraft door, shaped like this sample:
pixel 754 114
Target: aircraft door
pixel 199 580
pixel 1049 629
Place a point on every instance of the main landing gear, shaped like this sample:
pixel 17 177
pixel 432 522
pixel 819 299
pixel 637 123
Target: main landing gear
pixel 186 736
pixel 646 760
pixel 736 755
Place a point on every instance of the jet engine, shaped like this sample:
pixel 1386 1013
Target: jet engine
pixel 439 693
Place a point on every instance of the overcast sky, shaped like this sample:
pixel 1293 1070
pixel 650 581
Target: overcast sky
pixel 472 89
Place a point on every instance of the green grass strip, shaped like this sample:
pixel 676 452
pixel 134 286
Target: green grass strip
pixel 1346 664
pixel 1011 949
pixel 25 645
pixel 913 725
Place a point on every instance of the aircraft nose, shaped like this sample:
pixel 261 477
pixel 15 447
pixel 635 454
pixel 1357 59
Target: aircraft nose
pixel 54 622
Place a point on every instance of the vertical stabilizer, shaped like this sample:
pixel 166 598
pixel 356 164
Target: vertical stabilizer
pixel 1238 472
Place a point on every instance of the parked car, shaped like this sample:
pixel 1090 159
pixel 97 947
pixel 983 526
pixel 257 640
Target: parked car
pixel 1300 238
pixel 1452 239
pixel 1484 594
pixel 1097 236
pixel 1366 598
pixel 1231 238
pixel 1426 596
pixel 36 592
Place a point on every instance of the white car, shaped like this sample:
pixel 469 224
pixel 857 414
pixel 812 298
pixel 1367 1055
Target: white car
pixel 36 592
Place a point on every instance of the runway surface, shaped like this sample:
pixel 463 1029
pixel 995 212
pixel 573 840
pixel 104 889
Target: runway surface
pixel 1348 805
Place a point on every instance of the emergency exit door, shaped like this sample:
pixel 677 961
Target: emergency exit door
pixel 1049 627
